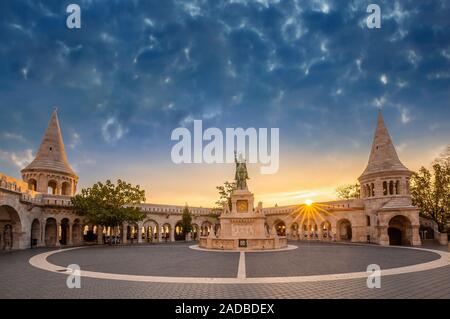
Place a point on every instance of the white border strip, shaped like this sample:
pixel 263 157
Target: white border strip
pixel 40 261
pixel 288 247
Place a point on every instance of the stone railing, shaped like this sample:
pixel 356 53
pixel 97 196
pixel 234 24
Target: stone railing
pixel 56 200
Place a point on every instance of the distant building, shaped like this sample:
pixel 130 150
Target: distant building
pixel 37 211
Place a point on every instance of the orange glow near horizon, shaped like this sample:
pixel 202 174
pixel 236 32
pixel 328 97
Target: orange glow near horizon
pixel 310 212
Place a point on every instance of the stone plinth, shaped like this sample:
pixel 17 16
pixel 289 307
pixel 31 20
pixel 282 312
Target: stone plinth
pixel 244 228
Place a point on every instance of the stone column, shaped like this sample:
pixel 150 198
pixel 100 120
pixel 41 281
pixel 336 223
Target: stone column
pixel 124 233
pixel 58 227
pixel 139 234
pixel 42 240
pixel 416 241
pixel 172 233
pixel 70 239
pixel 100 235
pixel 333 233
pixel 159 234
pixel 384 237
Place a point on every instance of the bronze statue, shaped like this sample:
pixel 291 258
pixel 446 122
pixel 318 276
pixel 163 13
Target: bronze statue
pixel 241 175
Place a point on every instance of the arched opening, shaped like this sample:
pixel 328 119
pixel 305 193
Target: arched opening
pixel 206 229
pixel 10 228
pixel 89 233
pixel 165 232
pixel 66 189
pixel 400 231
pixel 385 188
pixel 32 184
pixel 52 187
pixel 35 233
pixel 150 231
pixel 51 232
pixel 391 188
pixel 326 230
pixel 179 232
pixel 426 233
pixel 132 233
pixel 64 232
pixel 280 228
pixel 195 231
pixel 76 232
pixel 310 229
pixel 344 230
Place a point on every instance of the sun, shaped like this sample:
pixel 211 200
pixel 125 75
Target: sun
pixel 308 202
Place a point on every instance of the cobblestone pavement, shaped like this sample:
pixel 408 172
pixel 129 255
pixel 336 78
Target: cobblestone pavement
pixel 18 279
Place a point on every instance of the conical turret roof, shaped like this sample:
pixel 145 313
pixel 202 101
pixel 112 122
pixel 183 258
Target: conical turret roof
pixel 383 156
pixel 51 155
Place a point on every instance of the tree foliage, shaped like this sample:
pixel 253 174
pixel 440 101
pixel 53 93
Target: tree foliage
pixel 109 205
pixel 225 192
pixel 348 191
pixel 186 220
pixel 430 191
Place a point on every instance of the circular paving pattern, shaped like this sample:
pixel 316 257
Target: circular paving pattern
pixel 177 263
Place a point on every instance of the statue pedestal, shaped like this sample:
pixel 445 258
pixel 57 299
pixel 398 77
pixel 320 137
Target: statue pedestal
pixel 244 228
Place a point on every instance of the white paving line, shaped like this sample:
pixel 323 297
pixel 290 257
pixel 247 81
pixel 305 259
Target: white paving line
pixel 288 247
pixel 242 273
pixel 40 261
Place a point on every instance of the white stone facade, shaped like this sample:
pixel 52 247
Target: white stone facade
pixel 37 211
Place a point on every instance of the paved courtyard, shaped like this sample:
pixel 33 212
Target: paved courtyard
pixel 19 279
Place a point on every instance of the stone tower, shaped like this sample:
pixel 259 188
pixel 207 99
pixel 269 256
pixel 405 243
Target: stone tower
pixel 385 176
pixel 50 172
pixel 391 217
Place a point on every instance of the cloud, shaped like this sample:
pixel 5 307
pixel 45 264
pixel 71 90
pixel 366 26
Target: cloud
pixel 13 136
pixel 112 130
pixel 405 115
pixel 75 140
pixel 20 159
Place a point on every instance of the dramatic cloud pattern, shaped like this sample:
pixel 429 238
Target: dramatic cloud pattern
pixel 138 69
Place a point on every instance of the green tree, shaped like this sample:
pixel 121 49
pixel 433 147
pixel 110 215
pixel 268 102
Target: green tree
pixel 430 191
pixel 225 192
pixel 186 221
pixel 348 191
pixel 109 205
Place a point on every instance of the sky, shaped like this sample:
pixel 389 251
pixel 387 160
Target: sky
pixel 136 70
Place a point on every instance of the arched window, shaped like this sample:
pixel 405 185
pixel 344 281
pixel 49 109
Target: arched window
pixel 372 188
pixel 52 186
pixel 391 188
pixel 397 187
pixel 66 188
pixel 368 220
pixel 32 185
pixel 385 188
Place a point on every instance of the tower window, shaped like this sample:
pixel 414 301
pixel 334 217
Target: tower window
pixel 391 188
pixel 385 188
pixel 368 220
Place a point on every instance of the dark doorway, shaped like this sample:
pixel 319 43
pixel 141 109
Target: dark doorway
pixel 179 232
pixel 395 236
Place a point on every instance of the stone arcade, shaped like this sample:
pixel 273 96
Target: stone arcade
pixel 36 211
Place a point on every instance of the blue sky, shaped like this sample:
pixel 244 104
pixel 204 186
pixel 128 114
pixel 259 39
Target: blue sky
pixel 138 69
